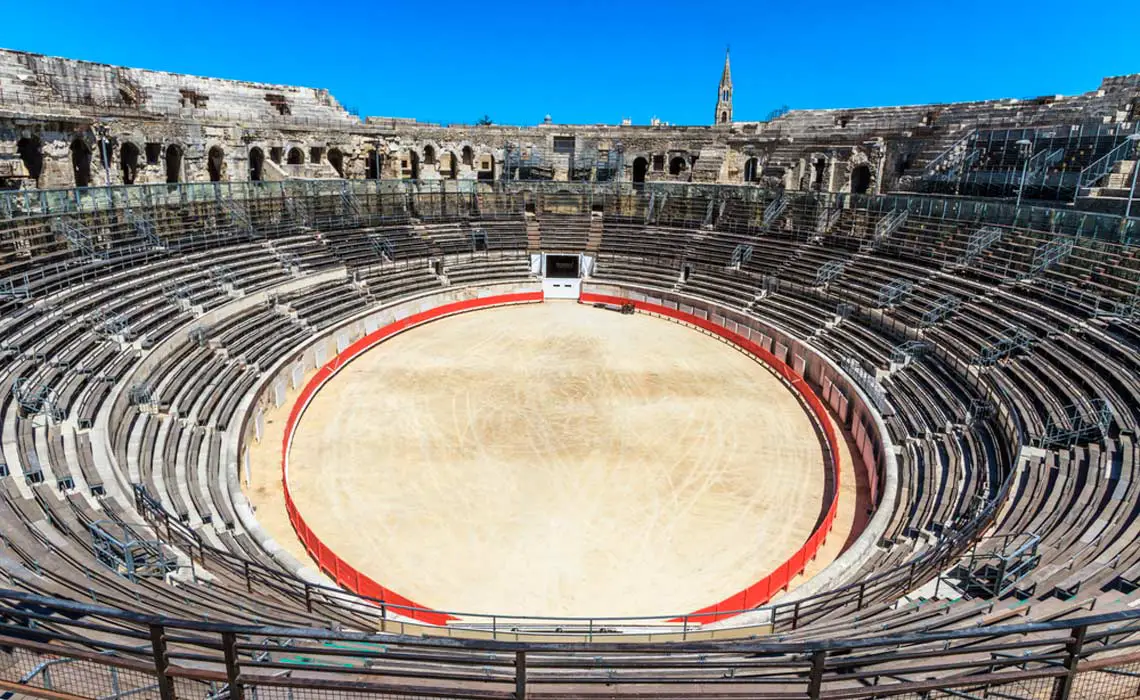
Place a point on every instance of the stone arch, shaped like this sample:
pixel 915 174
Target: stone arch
pixel 81 163
pixel 215 163
pixel 724 117
pixel 129 162
pixel 414 163
pixel 640 168
pixel 752 169
pixel 295 157
pixel 468 156
pixel 452 165
pixel 429 155
pixel 256 163
pixel 336 160
pixel 174 163
pixel 677 165
pixel 861 179
pixel 30 150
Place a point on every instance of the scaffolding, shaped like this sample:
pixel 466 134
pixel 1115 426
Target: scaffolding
pixel 141 395
pixel 117 548
pixel 382 247
pixel 869 384
pixel 77 237
pixel 884 227
pixel 979 410
pixel 222 274
pixel 828 272
pixel 943 307
pixel 199 336
pixel 845 309
pixel 1050 254
pixel 903 353
pixel 1003 345
pixel 980 241
pixel 828 217
pixel 107 324
pixel 145 228
pixel 350 206
pixel 774 209
pixel 238 215
pixel 893 292
pixel 741 254
pixel 10 290
pixel 1007 560
pixel 296 210
pixel 1078 424
pixel 479 241
pixel 34 399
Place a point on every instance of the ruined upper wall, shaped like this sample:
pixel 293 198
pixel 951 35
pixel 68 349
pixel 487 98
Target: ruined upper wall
pixel 48 85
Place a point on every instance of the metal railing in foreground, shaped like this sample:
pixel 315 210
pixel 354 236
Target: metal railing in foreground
pixel 87 651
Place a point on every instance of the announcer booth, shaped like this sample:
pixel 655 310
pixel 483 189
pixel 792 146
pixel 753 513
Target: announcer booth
pixel 562 274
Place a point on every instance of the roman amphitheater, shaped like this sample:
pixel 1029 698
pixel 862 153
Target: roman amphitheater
pixel 298 404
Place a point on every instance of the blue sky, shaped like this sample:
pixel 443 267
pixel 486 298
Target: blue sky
pixel 591 62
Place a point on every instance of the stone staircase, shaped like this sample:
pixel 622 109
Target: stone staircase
pixel 1110 194
pixel 594 239
pixel 533 233
pixel 710 162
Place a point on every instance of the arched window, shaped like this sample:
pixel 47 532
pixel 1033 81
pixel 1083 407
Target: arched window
pixel 256 163
pixel 468 155
pixel 752 170
pixel 129 162
pixel 295 157
pixel 373 165
pixel 31 153
pixel 676 165
pixel 640 167
pixel 173 163
pixel 215 163
pixel 429 155
pixel 81 162
pixel 724 117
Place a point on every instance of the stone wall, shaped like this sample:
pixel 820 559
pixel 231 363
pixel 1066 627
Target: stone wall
pixel 61 121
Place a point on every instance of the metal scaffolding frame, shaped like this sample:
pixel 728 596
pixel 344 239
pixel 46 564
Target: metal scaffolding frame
pixel 1079 424
pixel 10 290
pixel 35 399
pixel 479 240
pixel 845 309
pixel 828 272
pixel 1049 254
pixel 77 236
pixel 141 394
pixel 884 227
pixel 869 384
pixel 909 350
pixel 222 274
pixel 108 324
pixel 382 247
pixel 126 555
pixel 774 209
pixel 979 410
pixel 893 292
pixel 941 308
pixel 741 254
pixel 980 241
pixel 995 572
pixel 828 217
pixel 1003 345
pixel 238 214
pixel 296 210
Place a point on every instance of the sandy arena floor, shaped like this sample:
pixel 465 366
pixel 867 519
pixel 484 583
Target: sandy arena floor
pixel 556 459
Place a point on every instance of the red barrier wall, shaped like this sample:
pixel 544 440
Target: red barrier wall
pixel 348 577
pixel 763 590
pixel 335 567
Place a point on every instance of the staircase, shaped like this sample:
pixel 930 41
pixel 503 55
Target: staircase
pixel 594 238
pixel 710 162
pixel 1110 194
pixel 533 234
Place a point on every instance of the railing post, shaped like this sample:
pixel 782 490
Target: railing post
pixel 1064 684
pixel 815 680
pixel 308 598
pixel 229 648
pixel 796 615
pixel 520 675
pixel 161 663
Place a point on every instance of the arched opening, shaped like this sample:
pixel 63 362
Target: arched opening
pixel 640 167
pixel 256 163
pixel 336 160
pixel 752 170
pixel 173 163
pixel 861 179
pixel 676 165
pixel 724 117
pixel 819 167
pixel 129 162
pixel 452 166
pixel 414 164
pixel 295 157
pixel 81 162
pixel 215 162
pixel 429 155
pixel 373 165
pixel 31 153
pixel 468 155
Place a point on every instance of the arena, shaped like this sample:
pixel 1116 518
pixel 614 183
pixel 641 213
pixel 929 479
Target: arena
pixel 838 404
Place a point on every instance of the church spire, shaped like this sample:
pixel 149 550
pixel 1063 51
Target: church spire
pixel 724 95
